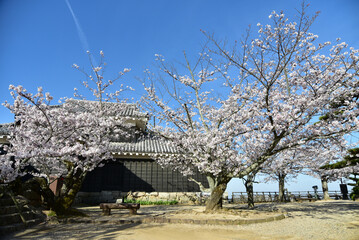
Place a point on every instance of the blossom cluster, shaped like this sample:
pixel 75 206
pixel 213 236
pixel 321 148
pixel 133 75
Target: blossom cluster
pixel 58 139
pixel 282 92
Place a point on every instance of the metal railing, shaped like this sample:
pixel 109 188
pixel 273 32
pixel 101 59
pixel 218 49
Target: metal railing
pixel 311 194
pixel 241 197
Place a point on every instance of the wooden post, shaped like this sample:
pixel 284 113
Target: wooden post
pixel 133 211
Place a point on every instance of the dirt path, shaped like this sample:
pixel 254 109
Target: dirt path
pixel 319 220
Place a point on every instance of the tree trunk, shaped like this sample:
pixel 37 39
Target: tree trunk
pixel 281 178
pixel 217 189
pixel 325 187
pixel 72 185
pixel 249 189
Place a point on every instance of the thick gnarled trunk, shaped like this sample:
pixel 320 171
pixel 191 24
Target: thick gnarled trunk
pixel 60 204
pixel 218 187
pixel 72 185
pixel 40 187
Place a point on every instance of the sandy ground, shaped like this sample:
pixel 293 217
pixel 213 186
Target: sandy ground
pixel 337 220
pixel 197 213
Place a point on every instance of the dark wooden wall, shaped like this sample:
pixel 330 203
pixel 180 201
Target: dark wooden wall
pixel 139 175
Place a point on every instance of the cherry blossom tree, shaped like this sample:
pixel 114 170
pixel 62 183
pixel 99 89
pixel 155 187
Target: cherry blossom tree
pixel 233 109
pixel 322 154
pixel 307 159
pixel 62 141
pixel 287 164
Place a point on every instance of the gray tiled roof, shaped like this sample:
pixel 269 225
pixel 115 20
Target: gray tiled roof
pixel 143 145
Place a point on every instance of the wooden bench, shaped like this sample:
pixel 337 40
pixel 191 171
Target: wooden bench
pixel 106 207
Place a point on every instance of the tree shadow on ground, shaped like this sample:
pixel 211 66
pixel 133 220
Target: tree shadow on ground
pixel 73 231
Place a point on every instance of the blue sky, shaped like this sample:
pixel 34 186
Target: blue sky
pixel 39 40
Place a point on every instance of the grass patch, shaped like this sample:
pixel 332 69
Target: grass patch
pixel 51 214
pixel 71 212
pixel 173 202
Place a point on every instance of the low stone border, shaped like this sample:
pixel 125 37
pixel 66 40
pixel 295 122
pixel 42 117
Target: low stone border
pixel 212 221
pixel 163 219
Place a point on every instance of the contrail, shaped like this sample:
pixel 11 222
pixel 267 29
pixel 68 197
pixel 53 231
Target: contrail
pixel 80 32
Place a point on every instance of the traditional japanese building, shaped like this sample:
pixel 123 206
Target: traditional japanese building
pixel 133 172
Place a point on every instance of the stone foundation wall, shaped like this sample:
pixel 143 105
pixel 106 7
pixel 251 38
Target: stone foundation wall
pixel 112 196
pixel 181 197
